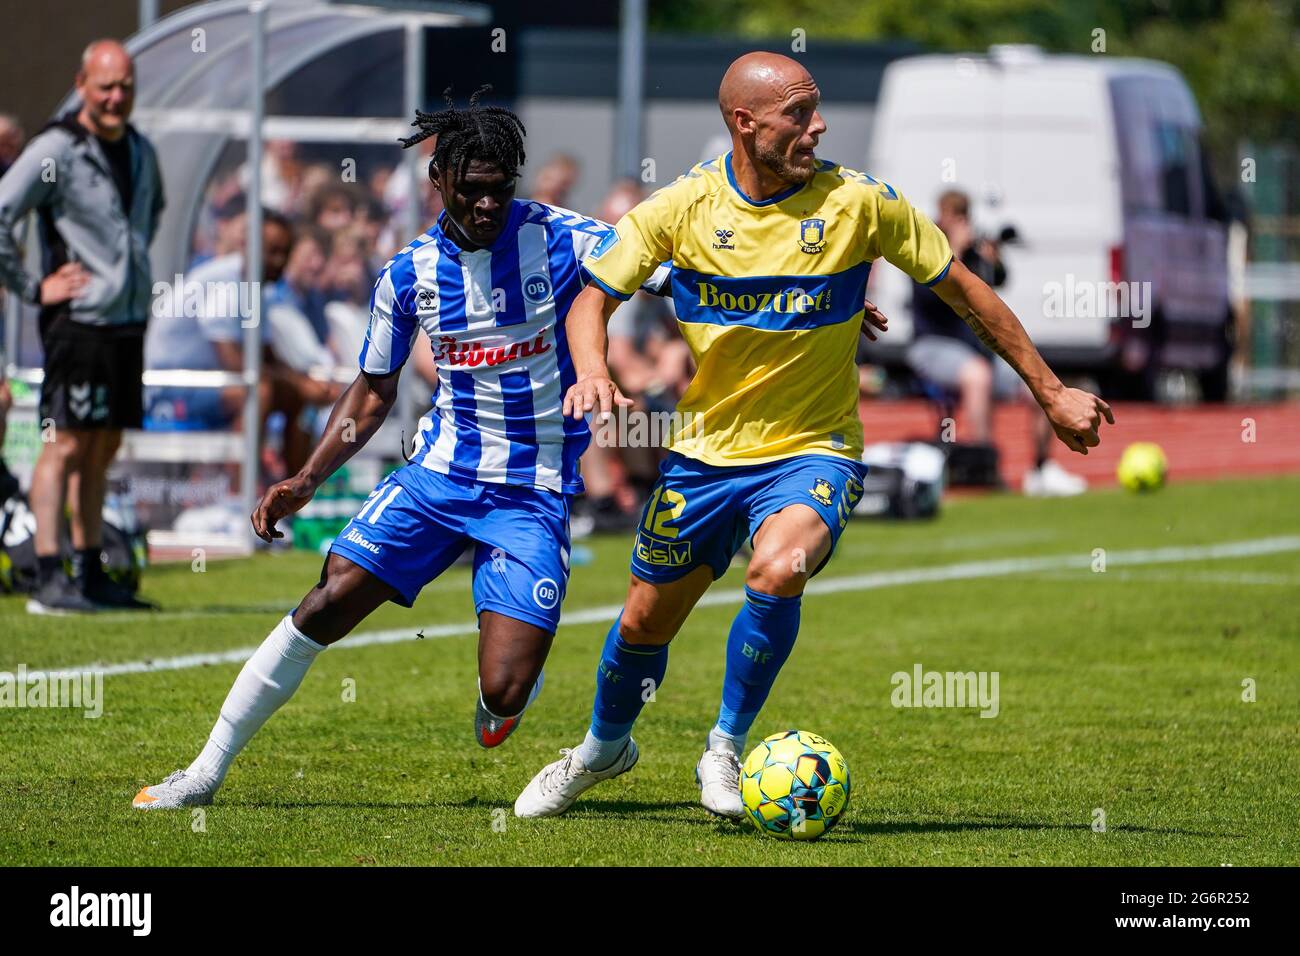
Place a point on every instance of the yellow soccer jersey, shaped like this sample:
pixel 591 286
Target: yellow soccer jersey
pixel 769 297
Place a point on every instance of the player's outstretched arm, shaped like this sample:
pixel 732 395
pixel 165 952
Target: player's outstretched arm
pixel 588 341
pixel 356 416
pixel 1075 414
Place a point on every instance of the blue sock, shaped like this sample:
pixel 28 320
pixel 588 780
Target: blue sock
pixel 621 692
pixel 760 641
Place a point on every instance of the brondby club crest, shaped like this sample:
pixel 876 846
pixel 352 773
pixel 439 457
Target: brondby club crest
pixel 822 491
pixel 812 235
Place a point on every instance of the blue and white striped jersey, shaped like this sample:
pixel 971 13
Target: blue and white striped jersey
pixel 495 318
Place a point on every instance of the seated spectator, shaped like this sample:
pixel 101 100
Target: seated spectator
pixel 333 207
pixel 12 139
pixel 555 180
pixel 348 280
pixel 652 365
pixel 206 333
pixel 946 352
pixel 648 357
pixel 301 285
pixel 229 229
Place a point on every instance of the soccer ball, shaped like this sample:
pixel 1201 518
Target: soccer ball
pixel 1142 467
pixel 795 785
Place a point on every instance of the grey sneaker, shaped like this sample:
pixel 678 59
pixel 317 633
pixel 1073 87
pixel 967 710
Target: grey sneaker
pixel 492 731
pixel 557 785
pixel 181 789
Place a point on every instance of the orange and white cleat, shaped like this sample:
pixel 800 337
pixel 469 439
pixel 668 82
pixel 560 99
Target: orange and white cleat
pixel 181 789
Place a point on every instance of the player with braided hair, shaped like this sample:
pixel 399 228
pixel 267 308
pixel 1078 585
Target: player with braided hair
pixel 491 133
pixel 494 465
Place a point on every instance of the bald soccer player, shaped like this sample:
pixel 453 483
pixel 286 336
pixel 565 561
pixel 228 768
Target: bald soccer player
pixel 770 249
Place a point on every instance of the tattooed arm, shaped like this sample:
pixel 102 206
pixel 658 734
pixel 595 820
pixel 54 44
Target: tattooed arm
pixel 1075 415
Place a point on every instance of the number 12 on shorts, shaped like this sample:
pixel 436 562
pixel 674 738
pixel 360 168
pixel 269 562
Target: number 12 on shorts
pixel 665 505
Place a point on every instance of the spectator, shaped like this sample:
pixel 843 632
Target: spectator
pixel 213 340
pixel 302 284
pixel 371 225
pixel 652 365
pixel 11 141
pixel 8 483
pixel 229 226
pixel 333 207
pixel 400 189
pixel 209 336
pixel 555 180
pixel 99 215
pixel 11 144
pixel 647 355
pixel 315 178
pixel 945 351
pixel 349 277
pixel 282 175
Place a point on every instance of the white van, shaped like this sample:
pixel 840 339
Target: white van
pixel 1097 164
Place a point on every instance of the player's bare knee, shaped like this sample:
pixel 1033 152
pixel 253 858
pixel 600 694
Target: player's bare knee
pixel 322 613
pixel 779 571
pixel 637 629
pixel 68 450
pixel 109 443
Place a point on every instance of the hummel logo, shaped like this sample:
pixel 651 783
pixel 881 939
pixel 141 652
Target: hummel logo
pixel 427 297
pixel 724 238
pixel 79 400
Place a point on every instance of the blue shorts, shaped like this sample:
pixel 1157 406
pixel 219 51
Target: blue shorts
pixel 418 522
pixel 701 514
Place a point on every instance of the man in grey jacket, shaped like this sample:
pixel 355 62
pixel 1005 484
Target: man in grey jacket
pixel 95 185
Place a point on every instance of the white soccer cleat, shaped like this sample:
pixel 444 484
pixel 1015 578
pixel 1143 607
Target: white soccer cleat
pixel 1053 481
pixel 718 774
pixel 557 785
pixel 181 789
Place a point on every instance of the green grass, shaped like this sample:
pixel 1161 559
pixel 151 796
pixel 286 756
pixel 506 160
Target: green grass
pixel 1120 691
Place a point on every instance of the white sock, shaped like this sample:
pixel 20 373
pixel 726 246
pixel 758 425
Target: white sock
pixel 488 710
pixel 719 739
pixel 267 681
pixel 598 754
pixel 532 696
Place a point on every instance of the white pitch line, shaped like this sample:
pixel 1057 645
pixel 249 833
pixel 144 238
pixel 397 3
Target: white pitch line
pixel 966 570
pixel 1207 577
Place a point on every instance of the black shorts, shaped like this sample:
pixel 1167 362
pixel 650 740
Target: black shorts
pixel 93 375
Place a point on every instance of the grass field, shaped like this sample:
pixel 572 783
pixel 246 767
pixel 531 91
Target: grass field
pixel 1120 691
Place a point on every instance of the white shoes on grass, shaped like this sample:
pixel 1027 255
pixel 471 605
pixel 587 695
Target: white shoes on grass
pixel 558 784
pixel 718 774
pixel 181 789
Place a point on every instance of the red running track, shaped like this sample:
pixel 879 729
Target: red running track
pixel 1200 441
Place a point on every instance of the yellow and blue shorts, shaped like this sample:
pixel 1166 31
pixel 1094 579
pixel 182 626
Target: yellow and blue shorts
pixel 701 514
